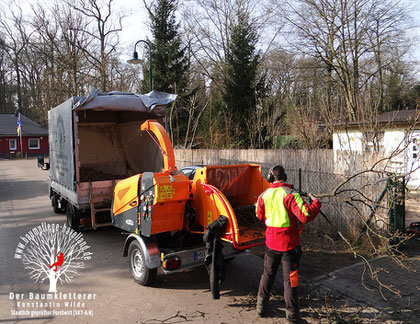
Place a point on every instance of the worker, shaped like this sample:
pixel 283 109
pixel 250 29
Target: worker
pixel 282 208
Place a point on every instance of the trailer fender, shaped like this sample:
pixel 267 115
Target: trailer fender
pixel 150 248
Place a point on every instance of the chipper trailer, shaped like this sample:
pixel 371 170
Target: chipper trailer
pixel 167 213
pixel 109 152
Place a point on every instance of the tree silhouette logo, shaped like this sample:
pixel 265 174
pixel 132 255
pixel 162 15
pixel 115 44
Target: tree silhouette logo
pixel 53 253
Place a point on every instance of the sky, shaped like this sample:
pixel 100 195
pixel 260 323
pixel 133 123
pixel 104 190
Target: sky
pixel 134 25
pixel 416 32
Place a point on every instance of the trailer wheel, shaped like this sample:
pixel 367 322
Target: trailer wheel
pixel 54 203
pixel 137 262
pixel 73 220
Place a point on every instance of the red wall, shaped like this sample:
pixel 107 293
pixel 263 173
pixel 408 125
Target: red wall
pixel 43 145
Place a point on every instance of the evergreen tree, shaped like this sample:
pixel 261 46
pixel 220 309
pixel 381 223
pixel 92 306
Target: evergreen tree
pixel 170 64
pixel 241 74
pixel 169 59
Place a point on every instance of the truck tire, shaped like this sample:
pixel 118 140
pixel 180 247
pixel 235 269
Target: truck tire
pixel 137 262
pixel 73 220
pixel 54 203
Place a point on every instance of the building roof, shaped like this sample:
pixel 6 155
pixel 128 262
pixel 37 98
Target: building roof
pixel 399 116
pixel 8 126
pixel 395 117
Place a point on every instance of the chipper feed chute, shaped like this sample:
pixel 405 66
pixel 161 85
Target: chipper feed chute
pixel 232 191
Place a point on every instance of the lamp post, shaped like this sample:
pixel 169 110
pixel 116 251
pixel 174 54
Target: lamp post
pixel 135 59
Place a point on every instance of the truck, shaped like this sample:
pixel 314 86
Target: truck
pixel 111 156
pixel 94 141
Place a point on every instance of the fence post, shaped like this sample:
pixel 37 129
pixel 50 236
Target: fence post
pixel 378 202
pixel 396 205
pixel 300 179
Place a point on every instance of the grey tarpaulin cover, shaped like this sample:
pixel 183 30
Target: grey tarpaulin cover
pixel 153 102
pixel 104 147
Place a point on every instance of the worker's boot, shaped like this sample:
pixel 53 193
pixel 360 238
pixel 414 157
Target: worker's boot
pixel 261 306
pixel 293 316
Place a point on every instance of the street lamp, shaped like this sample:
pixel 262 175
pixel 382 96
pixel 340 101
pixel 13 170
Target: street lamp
pixel 135 59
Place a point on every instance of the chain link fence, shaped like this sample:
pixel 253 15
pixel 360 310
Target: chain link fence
pixel 348 202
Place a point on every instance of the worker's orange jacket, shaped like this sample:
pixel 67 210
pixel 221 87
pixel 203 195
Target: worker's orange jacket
pixel 280 207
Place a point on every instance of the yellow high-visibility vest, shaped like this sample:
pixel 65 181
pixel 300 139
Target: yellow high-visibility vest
pixel 275 212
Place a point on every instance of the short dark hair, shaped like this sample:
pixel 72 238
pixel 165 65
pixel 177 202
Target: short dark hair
pixel 279 173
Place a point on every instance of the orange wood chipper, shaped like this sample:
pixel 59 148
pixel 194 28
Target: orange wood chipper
pixel 167 212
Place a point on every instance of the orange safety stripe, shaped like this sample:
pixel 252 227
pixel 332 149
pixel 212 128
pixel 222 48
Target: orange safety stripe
pixel 294 280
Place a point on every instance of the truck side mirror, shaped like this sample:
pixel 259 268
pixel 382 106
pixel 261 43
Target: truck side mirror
pixel 42 164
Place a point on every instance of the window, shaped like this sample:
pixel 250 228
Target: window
pixel 12 144
pixel 33 143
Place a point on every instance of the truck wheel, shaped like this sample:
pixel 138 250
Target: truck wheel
pixel 73 220
pixel 137 261
pixel 54 203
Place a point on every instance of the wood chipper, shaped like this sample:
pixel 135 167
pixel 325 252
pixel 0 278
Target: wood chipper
pixel 167 213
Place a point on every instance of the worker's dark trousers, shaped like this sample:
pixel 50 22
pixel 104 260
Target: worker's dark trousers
pixel 290 262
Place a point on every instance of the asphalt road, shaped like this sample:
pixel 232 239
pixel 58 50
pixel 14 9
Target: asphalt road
pixel 175 298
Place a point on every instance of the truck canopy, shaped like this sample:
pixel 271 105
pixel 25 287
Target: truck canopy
pixel 98 137
pixel 153 103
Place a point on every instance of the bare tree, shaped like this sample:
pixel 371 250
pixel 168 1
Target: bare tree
pixel 195 111
pixel 72 42
pixel 347 36
pixel 103 31
pixel 53 252
pixel 60 69
pixel 369 191
pixel 5 71
pixel 13 27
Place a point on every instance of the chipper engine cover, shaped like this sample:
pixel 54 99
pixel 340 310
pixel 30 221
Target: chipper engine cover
pixel 150 203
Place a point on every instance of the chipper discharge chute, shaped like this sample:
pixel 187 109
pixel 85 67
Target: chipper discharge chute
pixel 167 214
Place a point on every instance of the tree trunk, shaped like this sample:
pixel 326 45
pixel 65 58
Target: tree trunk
pixel 53 280
pixel 19 88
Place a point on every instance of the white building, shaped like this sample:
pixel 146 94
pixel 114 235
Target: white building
pixel 394 134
